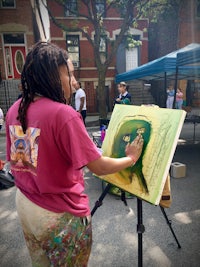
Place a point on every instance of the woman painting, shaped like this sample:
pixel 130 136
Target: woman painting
pixel 51 203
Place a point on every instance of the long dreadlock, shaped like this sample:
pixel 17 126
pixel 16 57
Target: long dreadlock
pixel 40 76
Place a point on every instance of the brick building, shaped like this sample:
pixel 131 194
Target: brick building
pixel 18 32
pixel 81 51
pixel 189 23
pixel 16 35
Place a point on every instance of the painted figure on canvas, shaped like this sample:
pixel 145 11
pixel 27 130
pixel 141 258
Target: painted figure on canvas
pixel 126 133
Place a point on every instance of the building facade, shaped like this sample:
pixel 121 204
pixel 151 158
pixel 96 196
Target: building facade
pixel 19 30
pixel 81 51
pixel 16 35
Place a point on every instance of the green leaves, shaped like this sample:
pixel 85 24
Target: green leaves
pixel 153 9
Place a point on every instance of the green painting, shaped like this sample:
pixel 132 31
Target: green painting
pixel 160 128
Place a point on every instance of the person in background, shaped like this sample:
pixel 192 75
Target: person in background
pixel 124 97
pixel 1 118
pixel 170 97
pixel 179 99
pixel 80 101
pixel 47 147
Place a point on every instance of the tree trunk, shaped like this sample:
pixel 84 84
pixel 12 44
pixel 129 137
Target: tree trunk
pixel 101 95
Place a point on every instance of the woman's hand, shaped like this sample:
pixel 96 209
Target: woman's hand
pixel 134 149
pixel 106 165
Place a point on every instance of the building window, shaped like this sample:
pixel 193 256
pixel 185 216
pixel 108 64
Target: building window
pixel 8 61
pixel 71 8
pixel 19 61
pixel 132 51
pixel 72 43
pixel 198 8
pixel 13 38
pixel 102 45
pixel 7 4
pixel 103 49
pixel 101 7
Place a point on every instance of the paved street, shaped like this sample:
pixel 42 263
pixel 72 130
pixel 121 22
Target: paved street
pixel 114 225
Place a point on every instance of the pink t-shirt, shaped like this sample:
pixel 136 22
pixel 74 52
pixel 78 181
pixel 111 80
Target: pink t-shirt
pixel 47 161
pixel 179 96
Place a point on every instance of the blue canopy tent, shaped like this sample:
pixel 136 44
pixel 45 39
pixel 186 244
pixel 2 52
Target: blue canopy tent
pixel 188 72
pixel 188 64
pixel 189 57
pixel 162 68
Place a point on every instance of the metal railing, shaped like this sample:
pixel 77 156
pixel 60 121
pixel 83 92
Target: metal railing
pixel 8 93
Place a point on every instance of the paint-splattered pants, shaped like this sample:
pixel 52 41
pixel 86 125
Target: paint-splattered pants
pixel 54 239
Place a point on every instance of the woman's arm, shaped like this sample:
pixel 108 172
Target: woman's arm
pixel 105 165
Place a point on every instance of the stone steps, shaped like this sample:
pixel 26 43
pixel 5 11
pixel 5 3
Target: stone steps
pixel 140 93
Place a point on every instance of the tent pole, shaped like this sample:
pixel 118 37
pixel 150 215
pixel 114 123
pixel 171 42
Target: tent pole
pixel 165 86
pixel 165 82
pixel 175 87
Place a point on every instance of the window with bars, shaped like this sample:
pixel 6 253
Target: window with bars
pixel 101 7
pixel 73 48
pixel 71 8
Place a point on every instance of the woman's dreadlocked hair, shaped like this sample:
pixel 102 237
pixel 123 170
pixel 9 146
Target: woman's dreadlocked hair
pixel 40 76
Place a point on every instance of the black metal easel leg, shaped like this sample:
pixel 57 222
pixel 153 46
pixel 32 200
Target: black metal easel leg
pixel 140 231
pixel 194 133
pixel 170 226
pixel 99 201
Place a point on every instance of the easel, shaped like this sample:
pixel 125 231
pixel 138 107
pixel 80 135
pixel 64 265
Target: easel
pixel 140 226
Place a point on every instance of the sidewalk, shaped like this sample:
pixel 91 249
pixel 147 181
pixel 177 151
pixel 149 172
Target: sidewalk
pixel 93 120
pixel 115 240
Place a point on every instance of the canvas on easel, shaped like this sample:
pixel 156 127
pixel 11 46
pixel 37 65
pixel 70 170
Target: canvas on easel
pixel 160 128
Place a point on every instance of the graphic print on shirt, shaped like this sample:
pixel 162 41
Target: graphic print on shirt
pixel 24 147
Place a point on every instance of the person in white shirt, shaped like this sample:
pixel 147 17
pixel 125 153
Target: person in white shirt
pixel 1 118
pixel 80 101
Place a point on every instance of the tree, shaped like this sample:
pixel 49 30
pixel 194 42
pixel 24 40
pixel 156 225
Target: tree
pixel 129 10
